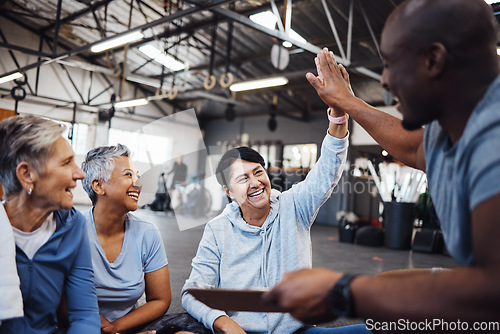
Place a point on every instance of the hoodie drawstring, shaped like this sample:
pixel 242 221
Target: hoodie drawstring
pixel 264 257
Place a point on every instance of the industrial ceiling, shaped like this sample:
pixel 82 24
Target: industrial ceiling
pixel 215 41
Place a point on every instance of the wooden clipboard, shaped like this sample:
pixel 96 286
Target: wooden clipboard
pixel 234 300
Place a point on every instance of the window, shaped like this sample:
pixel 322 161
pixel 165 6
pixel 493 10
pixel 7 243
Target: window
pixel 300 156
pixel 79 139
pixel 145 147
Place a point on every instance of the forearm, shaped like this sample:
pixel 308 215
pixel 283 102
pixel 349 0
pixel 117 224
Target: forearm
pixel 311 193
pixel 148 312
pixel 387 131
pixel 224 324
pixel 466 294
pixel 200 311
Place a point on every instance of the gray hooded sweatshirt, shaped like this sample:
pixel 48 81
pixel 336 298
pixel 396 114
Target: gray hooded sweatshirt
pixel 235 255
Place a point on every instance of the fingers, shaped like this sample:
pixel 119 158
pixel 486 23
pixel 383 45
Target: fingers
pixel 313 80
pixel 347 80
pixel 272 296
pixel 318 68
pixel 344 73
pixel 327 60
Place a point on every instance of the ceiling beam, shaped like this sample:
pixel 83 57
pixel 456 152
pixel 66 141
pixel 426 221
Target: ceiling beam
pixel 24 50
pixel 91 8
pixel 177 15
pixel 283 37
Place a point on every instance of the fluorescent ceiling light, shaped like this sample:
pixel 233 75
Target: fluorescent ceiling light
pixel 131 103
pixel 161 57
pixel 258 84
pixel 11 77
pixel 498 51
pixel 489 2
pixel 118 41
pixel 268 19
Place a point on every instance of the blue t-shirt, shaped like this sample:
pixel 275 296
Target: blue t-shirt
pixel 62 263
pixel 120 284
pixel 465 174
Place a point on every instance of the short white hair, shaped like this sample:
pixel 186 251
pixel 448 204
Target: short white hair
pixel 99 164
pixel 25 138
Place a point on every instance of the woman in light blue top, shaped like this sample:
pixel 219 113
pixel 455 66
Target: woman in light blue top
pixel 127 253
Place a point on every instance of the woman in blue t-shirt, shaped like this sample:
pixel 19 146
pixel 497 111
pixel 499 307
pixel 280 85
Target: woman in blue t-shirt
pixel 127 253
pixel 44 250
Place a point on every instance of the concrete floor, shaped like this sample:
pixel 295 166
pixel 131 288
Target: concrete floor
pixel 328 252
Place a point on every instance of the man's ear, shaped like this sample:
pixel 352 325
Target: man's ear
pixel 27 175
pixel 227 191
pixel 436 57
pixel 97 186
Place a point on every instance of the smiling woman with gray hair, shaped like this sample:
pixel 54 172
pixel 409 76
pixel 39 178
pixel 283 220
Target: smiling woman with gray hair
pixel 38 173
pixel 128 254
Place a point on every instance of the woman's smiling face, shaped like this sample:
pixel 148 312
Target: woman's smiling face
pixel 53 188
pixel 249 185
pixel 124 185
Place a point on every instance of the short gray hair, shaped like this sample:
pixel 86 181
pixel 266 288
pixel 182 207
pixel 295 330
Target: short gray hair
pixel 99 164
pixel 25 138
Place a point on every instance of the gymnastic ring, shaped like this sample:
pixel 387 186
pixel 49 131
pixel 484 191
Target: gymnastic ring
pixel 230 80
pixel 160 90
pixel 172 93
pixel 213 81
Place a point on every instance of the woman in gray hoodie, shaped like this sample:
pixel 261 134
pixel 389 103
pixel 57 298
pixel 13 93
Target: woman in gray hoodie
pixel 262 234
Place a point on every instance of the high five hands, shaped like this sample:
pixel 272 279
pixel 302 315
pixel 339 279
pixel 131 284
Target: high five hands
pixel 332 82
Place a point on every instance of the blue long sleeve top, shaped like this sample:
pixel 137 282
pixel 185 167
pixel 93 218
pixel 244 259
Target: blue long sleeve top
pixel 233 254
pixel 62 263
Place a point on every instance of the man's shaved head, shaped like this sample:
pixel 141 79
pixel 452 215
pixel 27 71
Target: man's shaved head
pixel 466 28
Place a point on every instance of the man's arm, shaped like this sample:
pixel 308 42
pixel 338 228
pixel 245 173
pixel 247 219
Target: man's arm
pixel 465 294
pixel 334 90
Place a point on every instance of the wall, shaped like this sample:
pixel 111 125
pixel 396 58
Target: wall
pixel 289 131
pixel 361 137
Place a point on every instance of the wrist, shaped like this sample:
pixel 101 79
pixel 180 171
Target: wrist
pixel 340 297
pixel 116 327
pixel 336 117
pixel 221 323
